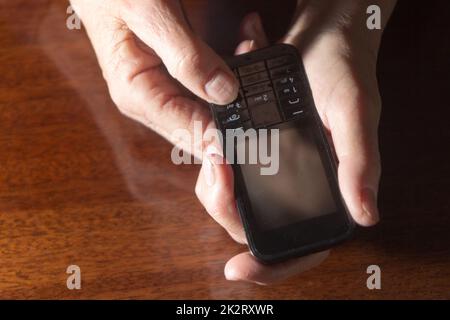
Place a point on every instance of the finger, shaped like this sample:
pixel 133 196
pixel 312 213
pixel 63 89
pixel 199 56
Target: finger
pixel 141 88
pixel 252 29
pixel 161 25
pixel 245 46
pixel 245 267
pixel 214 186
pixel 353 122
pixel 214 189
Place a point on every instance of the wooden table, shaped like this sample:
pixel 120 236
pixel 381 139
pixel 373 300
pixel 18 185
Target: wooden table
pixel 81 184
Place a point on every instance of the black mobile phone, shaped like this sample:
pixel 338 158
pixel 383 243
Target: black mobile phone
pixel 298 209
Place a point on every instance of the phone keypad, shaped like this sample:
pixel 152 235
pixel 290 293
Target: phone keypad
pixel 271 92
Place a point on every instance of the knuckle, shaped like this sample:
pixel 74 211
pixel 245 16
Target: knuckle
pixel 186 61
pixel 118 89
pixel 119 94
pixel 121 67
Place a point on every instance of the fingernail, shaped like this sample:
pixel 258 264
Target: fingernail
pixel 369 204
pixel 222 88
pixel 214 154
pixel 211 158
pixel 252 45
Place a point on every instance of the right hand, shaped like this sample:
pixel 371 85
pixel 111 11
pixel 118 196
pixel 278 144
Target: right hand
pixel 155 65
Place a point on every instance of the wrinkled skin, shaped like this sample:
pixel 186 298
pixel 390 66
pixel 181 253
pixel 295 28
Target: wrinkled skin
pixel 144 45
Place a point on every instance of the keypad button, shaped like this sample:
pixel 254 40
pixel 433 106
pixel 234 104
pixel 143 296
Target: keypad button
pixel 238 104
pixel 265 114
pixel 228 108
pixel 254 78
pixel 292 113
pixel 281 61
pixel 288 91
pixel 291 102
pixel 244 115
pixel 252 68
pixel 284 71
pixel 231 120
pixel 258 88
pixel 262 98
pixel 289 79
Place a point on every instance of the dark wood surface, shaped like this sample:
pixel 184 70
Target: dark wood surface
pixel 81 184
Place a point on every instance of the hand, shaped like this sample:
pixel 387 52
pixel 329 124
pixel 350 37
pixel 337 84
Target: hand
pixel 340 59
pixel 142 47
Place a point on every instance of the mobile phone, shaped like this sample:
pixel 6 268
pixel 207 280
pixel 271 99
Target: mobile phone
pixel 298 209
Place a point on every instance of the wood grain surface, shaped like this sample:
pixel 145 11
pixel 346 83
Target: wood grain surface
pixel 81 184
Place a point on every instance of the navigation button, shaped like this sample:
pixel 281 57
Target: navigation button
pixel 254 78
pixel 258 88
pixel 252 68
pixel 276 62
pixel 284 71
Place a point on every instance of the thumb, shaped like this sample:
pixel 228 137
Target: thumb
pixel 161 25
pixel 354 132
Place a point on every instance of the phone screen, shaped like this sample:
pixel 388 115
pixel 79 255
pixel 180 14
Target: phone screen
pixel 300 190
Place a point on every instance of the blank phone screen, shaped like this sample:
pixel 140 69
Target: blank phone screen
pixel 298 191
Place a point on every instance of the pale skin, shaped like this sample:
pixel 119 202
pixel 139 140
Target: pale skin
pixel 144 45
